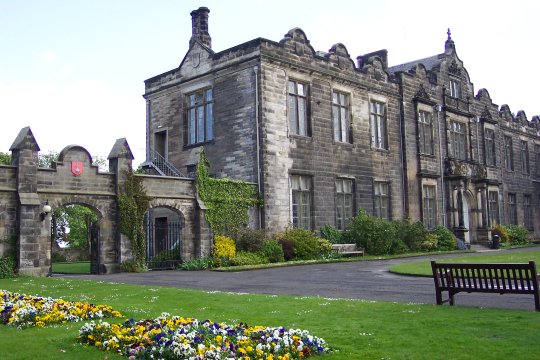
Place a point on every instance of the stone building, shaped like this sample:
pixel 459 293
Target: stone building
pixel 323 136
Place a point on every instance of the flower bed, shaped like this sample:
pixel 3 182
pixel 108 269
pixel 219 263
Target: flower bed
pixel 186 338
pixel 23 311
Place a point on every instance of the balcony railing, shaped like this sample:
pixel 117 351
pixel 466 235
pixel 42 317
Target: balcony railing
pixel 161 165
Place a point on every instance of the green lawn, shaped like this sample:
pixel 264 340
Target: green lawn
pixel 423 267
pixel 80 267
pixel 356 329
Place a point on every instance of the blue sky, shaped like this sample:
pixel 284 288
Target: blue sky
pixel 73 70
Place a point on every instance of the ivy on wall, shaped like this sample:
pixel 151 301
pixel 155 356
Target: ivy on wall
pixel 133 204
pixel 227 201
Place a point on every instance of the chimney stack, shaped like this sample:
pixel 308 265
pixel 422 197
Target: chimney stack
pixel 199 27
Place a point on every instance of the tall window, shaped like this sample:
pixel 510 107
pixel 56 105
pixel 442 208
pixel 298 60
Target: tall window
pixel 297 106
pixel 301 201
pixel 200 117
pixel 378 125
pixel 381 200
pixel 537 152
pixel 512 209
pixel 344 202
pixel 524 157
pixel 508 154
pixel 489 141
pixel 425 132
pixel 457 135
pixel 429 206
pixel 493 203
pixel 340 116
pixel 527 212
pixel 454 89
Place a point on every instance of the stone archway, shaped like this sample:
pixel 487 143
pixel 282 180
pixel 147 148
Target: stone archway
pixel 164 237
pixel 75 238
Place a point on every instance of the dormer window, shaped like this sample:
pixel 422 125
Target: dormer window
pixel 454 89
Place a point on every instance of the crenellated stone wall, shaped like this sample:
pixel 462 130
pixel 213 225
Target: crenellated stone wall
pixel 25 189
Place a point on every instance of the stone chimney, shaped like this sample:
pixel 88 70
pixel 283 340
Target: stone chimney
pixel 199 27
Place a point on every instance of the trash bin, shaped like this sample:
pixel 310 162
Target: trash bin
pixel 461 244
pixel 495 242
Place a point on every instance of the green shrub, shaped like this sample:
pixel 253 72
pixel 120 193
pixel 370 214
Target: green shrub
pixel 224 250
pixel 500 230
pixel 429 243
pixel 7 267
pixel 133 266
pixel 273 251
pixel 304 241
pixel 247 239
pixel 446 240
pixel 197 264
pixel 518 235
pixel 288 248
pixel 248 258
pixel 375 235
pixel 413 235
pixel 331 234
pixel 57 257
pixel 325 247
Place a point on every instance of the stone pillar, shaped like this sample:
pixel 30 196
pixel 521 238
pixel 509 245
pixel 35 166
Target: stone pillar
pixel 120 160
pixel 203 232
pixel 33 227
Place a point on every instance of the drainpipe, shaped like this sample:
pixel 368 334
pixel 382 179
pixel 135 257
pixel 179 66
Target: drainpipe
pixel 438 109
pixel 257 131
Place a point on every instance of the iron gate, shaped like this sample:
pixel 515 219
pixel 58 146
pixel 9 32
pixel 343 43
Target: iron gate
pixel 163 245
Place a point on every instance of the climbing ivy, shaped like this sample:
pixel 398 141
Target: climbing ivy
pixel 227 201
pixel 133 204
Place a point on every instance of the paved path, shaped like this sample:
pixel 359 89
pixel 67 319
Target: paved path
pixel 354 280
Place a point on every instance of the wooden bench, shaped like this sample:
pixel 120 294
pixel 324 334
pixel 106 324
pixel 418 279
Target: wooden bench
pixel 347 249
pixel 485 278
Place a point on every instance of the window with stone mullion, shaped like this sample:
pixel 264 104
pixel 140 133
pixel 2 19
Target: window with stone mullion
pixel 344 202
pixel 425 132
pixel 512 209
pixel 429 208
pixel 340 116
pixel 489 139
pixel 508 154
pixel 493 203
pixel 301 201
pixel 381 200
pixel 525 157
pixel 527 212
pixel 458 140
pixel 297 108
pixel 378 125
pixel 200 117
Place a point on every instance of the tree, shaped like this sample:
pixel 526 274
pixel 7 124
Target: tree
pixel 47 160
pixel 5 158
pixel 71 225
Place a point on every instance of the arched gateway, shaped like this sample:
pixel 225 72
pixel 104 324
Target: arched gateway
pixel 28 194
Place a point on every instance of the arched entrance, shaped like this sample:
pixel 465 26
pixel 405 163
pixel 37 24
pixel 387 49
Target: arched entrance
pixel 164 227
pixel 75 241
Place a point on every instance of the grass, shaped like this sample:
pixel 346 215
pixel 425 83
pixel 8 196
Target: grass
pixel 79 267
pixel 356 329
pixel 423 267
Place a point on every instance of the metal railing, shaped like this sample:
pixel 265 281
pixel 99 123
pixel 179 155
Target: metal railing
pixel 163 245
pixel 162 166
